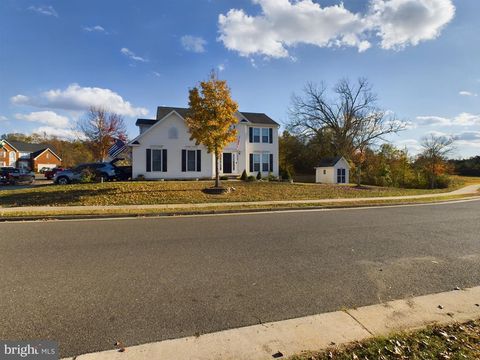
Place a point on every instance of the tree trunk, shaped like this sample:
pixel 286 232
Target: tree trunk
pixel 217 172
pixel 359 175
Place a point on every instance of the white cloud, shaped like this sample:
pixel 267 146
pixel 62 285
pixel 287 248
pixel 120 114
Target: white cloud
pixel 96 28
pixel 78 98
pixel 463 119
pixel 287 23
pixel 131 55
pixel 19 99
pixel 60 133
pixel 3 118
pixel 413 146
pixel 44 10
pixel 408 22
pixel 45 117
pixel 193 43
pixel 467 93
pixel 468 139
pixel 156 73
pixel 221 67
pixel 432 120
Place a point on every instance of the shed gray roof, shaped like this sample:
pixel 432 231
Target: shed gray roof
pixel 162 111
pixel 329 161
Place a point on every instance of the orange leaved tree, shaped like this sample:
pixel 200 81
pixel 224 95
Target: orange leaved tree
pixel 211 117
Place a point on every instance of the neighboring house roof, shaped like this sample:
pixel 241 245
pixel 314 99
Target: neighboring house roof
pixel 36 154
pixel 162 111
pixel 6 142
pixel 33 149
pixel 329 161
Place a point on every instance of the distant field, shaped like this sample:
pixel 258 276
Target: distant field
pixel 169 192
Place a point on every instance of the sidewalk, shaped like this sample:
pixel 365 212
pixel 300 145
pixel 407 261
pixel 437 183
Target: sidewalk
pixel 317 332
pixel 468 190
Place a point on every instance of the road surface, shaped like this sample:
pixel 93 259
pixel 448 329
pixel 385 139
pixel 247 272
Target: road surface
pixel 90 283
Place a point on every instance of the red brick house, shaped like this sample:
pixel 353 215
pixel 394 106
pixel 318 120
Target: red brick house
pixel 25 155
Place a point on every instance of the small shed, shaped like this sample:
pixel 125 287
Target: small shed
pixel 334 170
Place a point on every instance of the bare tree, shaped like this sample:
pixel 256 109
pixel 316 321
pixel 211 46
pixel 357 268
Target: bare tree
pixel 434 156
pixel 100 129
pixel 353 118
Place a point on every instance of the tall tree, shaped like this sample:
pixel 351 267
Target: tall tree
pixel 434 156
pixel 211 118
pixel 100 128
pixel 353 118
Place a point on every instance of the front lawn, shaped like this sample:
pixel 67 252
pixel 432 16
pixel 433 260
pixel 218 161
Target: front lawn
pixel 453 342
pixel 171 192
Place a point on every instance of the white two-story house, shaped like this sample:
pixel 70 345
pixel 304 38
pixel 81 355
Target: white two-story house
pixel 163 149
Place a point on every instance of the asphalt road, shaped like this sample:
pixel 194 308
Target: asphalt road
pixel 87 284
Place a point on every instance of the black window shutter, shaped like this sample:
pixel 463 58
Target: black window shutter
pixel 271 162
pixel 149 160
pixel 250 134
pixel 270 135
pixel 199 160
pixel 164 160
pixel 251 162
pixel 184 160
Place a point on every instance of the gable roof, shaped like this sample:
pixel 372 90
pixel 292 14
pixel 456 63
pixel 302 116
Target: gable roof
pixel 162 111
pixel 36 154
pixel 329 161
pixel 259 118
pixel 33 149
pixel 6 142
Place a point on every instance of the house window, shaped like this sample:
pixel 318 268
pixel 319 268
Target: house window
pixel 256 162
pixel 265 162
pixel 341 179
pixel 265 135
pixel 156 160
pixel 173 133
pixel 256 135
pixel 191 160
pixel 47 156
pixel 324 172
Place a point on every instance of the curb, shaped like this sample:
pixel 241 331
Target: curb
pixel 223 212
pixel 316 332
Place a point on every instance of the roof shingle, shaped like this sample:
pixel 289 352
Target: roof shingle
pixel 162 111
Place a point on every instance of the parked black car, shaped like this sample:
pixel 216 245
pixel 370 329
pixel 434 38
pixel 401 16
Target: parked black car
pixel 12 176
pixel 102 170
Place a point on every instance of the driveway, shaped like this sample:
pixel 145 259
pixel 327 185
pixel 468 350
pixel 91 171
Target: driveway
pixel 40 180
pixel 88 284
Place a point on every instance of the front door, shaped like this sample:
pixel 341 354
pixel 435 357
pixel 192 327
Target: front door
pixel 227 163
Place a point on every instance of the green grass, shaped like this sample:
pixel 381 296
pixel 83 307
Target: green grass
pixel 168 192
pixel 453 342
pixel 56 213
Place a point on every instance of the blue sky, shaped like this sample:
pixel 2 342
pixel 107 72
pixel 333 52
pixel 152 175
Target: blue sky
pixel 59 57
